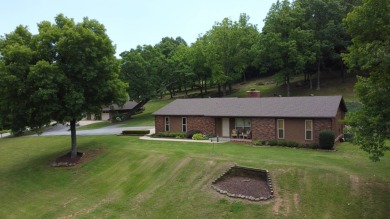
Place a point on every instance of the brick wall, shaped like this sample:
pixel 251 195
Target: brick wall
pixel 204 124
pixel 159 123
pixel 320 125
pixel 263 128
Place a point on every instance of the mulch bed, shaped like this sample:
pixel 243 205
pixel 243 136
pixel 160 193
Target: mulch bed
pixel 247 186
pixel 67 161
pixel 246 183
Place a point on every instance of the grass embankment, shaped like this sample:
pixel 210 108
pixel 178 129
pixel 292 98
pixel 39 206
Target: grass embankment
pixel 130 178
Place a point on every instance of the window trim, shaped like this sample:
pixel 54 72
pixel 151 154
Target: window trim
pixel 184 124
pixel 167 124
pixel 311 130
pixel 278 128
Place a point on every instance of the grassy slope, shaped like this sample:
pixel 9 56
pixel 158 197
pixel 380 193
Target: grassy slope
pixel 331 84
pixel 131 178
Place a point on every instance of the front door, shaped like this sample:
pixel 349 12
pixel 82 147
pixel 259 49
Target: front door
pixel 225 127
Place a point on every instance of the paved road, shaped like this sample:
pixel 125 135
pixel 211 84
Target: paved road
pixel 60 130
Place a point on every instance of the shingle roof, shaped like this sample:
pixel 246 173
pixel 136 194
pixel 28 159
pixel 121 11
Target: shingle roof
pixel 292 107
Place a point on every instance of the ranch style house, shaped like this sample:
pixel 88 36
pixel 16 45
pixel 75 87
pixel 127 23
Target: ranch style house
pixel 298 119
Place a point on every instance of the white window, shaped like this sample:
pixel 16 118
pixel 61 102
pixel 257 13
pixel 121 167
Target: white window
pixel 167 124
pixel 308 129
pixel 280 128
pixel 184 124
pixel 243 125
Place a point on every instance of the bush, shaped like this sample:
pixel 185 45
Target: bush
pixel 169 135
pixel 292 144
pixel 282 143
pixel 326 139
pixel 191 133
pixel 313 145
pixel 273 143
pixel 208 136
pixel 135 132
pixel 198 136
pixel 258 142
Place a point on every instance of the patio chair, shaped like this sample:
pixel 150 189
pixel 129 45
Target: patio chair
pixel 247 134
pixel 234 133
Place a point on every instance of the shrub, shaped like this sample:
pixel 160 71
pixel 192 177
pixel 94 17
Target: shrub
pixel 258 142
pixel 273 143
pixel 170 135
pixel 198 136
pixel 208 136
pixel 313 145
pixel 135 132
pixel 191 133
pixel 292 144
pixel 326 139
pixel 282 143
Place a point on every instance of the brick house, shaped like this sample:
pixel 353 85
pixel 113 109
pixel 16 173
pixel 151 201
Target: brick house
pixel 298 119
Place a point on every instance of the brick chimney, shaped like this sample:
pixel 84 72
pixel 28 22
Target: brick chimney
pixel 253 93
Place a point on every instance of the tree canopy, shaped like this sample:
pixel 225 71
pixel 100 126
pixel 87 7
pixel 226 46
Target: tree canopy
pixel 61 73
pixel 369 26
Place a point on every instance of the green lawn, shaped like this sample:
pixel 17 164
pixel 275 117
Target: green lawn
pixel 124 177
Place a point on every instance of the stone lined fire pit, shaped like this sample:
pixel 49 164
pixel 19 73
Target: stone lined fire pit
pixel 246 183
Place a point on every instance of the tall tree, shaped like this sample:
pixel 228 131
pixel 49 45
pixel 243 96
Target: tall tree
pixel 139 69
pixel 63 72
pixel 228 50
pixel 199 62
pixel 369 26
pixel 285 47
pixel 324 18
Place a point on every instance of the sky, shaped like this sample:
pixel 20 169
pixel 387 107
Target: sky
pixel 131 23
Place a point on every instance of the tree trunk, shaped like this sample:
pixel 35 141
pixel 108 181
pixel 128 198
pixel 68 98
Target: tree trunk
pixel 200 87
pixel 311 82
pixel 205 84
pixel 288 85
pixel 139 106
pixel 73 137
pixel 185 89
pixel 224 90
pixel 318 73
pixel 244 77
pixel 230 88
pixel 219 90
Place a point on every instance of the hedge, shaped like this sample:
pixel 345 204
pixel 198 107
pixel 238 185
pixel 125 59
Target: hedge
pixel 170 135
pixel 135 132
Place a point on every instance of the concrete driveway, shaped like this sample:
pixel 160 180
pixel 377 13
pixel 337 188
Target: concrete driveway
pixel 116 129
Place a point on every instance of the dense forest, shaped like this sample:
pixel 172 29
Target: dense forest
pixel 301 37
